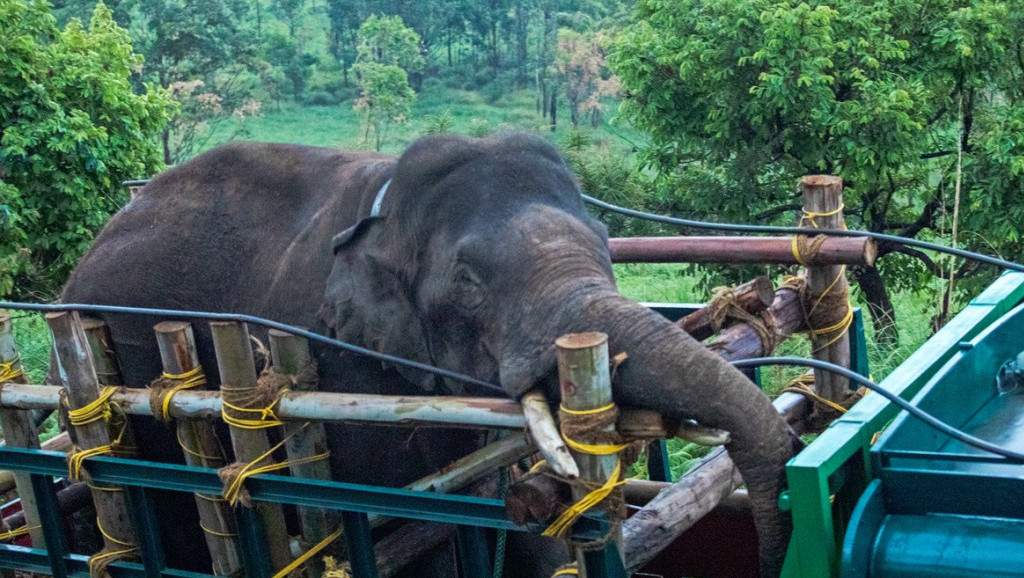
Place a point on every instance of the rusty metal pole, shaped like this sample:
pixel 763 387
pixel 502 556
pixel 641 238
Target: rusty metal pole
pixel 18 429
pixel 201 448
pixel 585 381
pixel 238 370
pixel 823 209
pixel 78 375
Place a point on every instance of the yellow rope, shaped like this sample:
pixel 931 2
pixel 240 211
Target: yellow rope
pixel 810 216
pixel 7 371
pixel 267 417
pixel 800 386
pixel 188 450
pixel 216 533
pixel 188 380
pixel 233 492
pixel 17 532
pixel 309 554
pixel 98 410
pixel 572 570
pixel 566 519
pixel 334 570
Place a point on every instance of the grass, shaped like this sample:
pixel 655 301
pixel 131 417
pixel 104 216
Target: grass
pixel 464 112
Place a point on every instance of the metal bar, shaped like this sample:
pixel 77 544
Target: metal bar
pixel 53 528
pixel 473 557
pixel 147 526
pixel 303 492
pixel 888 455
pixel 360 544
pixel 251 544
pixel 658 466
pixel 469 412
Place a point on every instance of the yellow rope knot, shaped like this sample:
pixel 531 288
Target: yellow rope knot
pixel 164 388
pixel 592 424
pixel 97 410
pixel 233 476
pixel 8 372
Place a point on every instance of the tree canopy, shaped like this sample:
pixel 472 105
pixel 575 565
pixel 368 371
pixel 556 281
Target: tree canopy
pixel 71 130
pixel 742 97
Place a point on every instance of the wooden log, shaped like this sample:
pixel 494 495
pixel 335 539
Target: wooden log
pixel 475 466
pixel 738 250
pixel 238 370
pixel 585 382
pixel 18 428
pixel 290 356
pixel 77 373
pixel 677 507
pixel 643 423
pixel 69 500
pixel 754 296
pixel 544 431
pixel 201 448
pixel 741 341
pixel 823 198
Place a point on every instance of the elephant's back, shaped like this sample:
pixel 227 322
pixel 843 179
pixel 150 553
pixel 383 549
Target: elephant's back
pixel 217 232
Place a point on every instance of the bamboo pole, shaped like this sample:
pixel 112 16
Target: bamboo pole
pixel 290 356
pixel 109 373
pixel 238 369
pixel 201 448
pixel 754 296
pixel 78 374
pixel 19 430
pixel 738 250
pixel 823 198
pixel 585 382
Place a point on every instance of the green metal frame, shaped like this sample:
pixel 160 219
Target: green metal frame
pixel 828 476
pixel 353 500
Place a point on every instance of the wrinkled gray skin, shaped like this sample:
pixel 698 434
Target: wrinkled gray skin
pixel 483 256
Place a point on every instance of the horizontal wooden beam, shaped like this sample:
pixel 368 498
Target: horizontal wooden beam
pixel 738 250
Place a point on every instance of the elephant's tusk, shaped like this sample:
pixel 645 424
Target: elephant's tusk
pixel 542 428
pixel 705 436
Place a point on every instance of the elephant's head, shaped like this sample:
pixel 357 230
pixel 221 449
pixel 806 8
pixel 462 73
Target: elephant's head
pixel 483 255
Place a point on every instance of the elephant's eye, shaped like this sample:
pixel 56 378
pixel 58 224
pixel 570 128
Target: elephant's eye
pixel 467 287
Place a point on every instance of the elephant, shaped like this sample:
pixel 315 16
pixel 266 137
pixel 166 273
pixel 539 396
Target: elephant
pixel 472 255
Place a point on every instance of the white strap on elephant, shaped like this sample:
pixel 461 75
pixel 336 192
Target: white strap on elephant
pixel 377 202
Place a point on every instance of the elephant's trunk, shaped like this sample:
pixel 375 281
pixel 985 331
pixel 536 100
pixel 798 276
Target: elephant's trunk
pixel 668 371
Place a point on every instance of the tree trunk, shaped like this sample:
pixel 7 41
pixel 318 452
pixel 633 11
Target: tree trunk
pixel 883 315
pixel 554 110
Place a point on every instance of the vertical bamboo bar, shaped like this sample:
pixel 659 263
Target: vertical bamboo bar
pixel 78 375
pixel 19 431
pixel 238 369
pixel 109 373
pixel 823 199
pixel 290 356
pixel 201 448
pixel 585 381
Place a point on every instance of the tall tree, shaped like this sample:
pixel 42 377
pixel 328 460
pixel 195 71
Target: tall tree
pixel 741 97
pixel 387 51
pixel 71 130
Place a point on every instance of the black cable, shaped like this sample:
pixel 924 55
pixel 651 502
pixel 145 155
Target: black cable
pixel 903 404
pixel 254 321
pixel 971 255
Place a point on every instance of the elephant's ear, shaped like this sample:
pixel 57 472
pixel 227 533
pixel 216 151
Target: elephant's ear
pixel 368 304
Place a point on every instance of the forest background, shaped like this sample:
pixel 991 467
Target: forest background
pixel 695 109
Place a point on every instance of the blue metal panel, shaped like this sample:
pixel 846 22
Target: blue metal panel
pixel 473 554
pixel 147 530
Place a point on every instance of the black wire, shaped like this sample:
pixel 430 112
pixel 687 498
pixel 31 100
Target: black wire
pixel 1001 263
pixel 254 321
pixel 903 404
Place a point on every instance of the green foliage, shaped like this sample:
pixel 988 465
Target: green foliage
pixel 743 97
pixel 71 129
pixel 386 52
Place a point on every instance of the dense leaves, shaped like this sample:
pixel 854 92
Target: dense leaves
pixel 71 129
pixel 742 97
pixel 386 52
